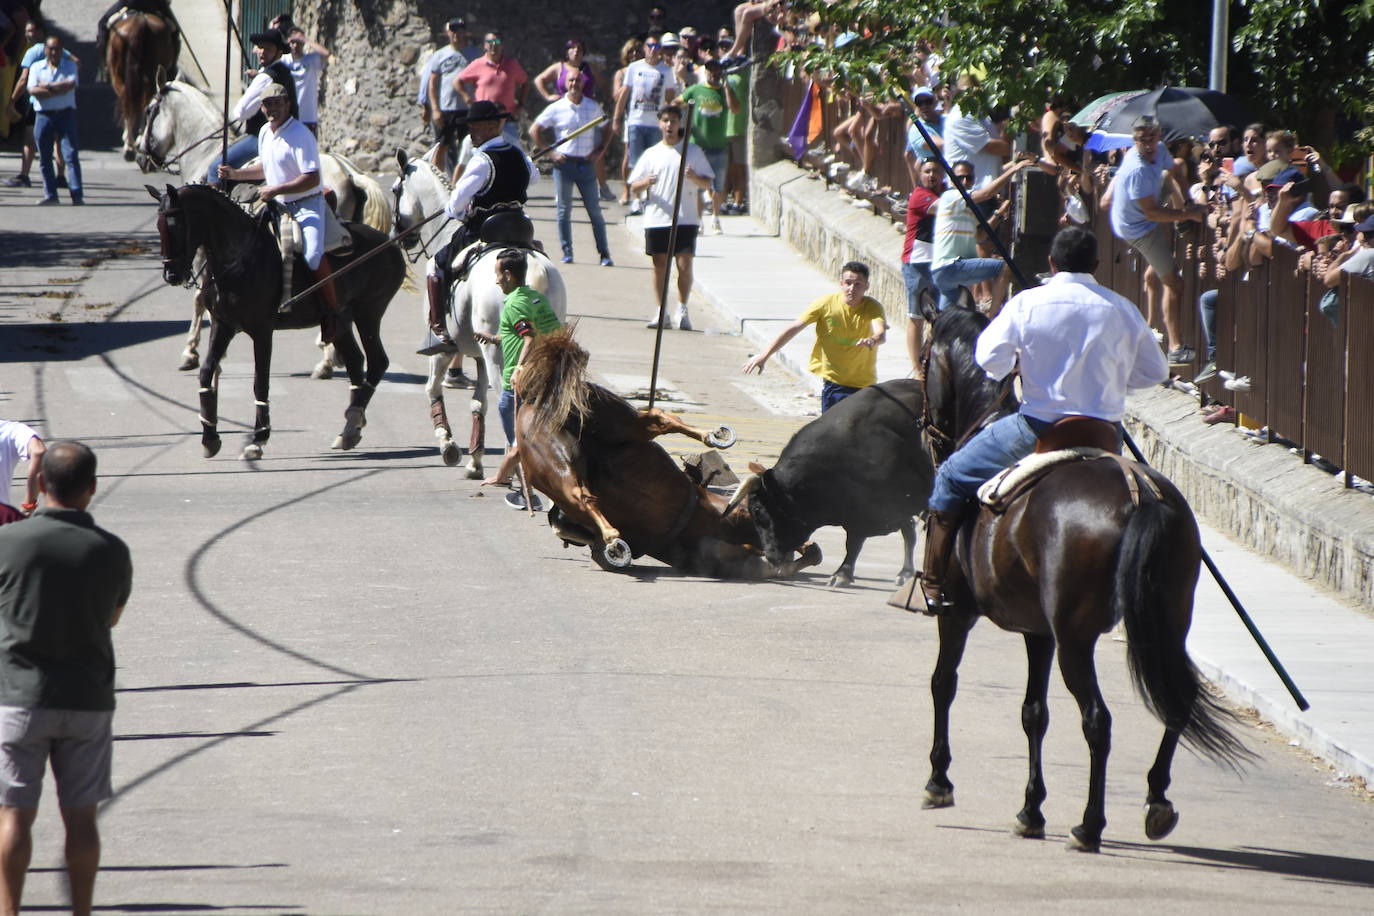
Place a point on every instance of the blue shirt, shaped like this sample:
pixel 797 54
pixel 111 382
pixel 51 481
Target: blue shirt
pixel 1137 179
pixel 916 144
pixel 44 72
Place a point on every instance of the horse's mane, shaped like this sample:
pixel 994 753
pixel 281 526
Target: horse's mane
pixel 428 159
pixel 956 334
pixel 553 380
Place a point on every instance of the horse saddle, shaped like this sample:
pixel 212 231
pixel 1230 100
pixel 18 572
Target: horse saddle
pixel 511 228
pixel 999 493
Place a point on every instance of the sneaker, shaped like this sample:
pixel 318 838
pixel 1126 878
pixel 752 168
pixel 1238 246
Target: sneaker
pixel 653 322
pixel 567 259
pixel 1182 356
pixel 18 181
pixel 607 195
pixel 516 500
pixel 457 379
pixel 61 181
pixel 636 207
pixel 48 201
pixel 606 261
pixel 78 200
pixel 1239 383
pixel 680 319
pixel 1223 414
pixel 713 225
pixel 1208 372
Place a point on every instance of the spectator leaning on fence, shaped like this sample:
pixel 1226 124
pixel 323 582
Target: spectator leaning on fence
pixel 1140 219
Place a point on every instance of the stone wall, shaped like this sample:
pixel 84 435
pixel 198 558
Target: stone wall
pixel 367 103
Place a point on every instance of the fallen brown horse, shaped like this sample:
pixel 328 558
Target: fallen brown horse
pixel 615 489
pixel 142 51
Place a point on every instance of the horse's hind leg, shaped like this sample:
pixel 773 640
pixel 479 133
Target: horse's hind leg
pixel 1160 816
pixel 262 381
pixel 190 356
pixel 438 415
pixel 361 388
pixel 655 422
pixel 954 630
pixel 908 569
pixel 209 388
pixel 1080 676
pixel 1035 720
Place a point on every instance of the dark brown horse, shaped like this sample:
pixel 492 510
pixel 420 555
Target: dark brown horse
pixel 141 52
pixel 1061 566
pixel 616 490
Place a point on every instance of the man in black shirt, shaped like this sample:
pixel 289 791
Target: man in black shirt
pixel 63 584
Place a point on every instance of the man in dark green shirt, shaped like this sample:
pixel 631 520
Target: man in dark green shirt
pixel 714 102
pixel 525 315
pixel 63 584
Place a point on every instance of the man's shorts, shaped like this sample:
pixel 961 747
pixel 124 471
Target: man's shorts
pixel 739 150
pixel 78 742
pixel 719 160
pixel 1157 248
pixel 656 240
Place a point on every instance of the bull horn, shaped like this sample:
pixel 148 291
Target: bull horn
pixel 746 486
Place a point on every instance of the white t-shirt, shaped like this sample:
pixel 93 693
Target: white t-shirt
pixel 306 72
pixel 662 162
pixel 563 117
pixel 288 154
pixel 14 448
pixel 648 85
pixel 965 137
pixel 956 230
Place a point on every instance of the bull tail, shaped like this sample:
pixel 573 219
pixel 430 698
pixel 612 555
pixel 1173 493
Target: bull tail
pixel 1156 631
pixel 553 380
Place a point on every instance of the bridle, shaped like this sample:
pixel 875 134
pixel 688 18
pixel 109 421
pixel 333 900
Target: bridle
pixel 940 441
pixel 145 139
pixel 398 192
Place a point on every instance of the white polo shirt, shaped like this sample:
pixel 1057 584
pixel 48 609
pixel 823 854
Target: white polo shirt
pixel 14 448
pixel 563 117
pixel 1080 346
pixel 288 154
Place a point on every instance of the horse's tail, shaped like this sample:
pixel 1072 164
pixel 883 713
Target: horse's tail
pixel 536 274
pixel 553 380
pixel 375 204
pixel 1157 628
pixel 134 33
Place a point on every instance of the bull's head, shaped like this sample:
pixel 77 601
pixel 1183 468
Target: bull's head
pixel 780 531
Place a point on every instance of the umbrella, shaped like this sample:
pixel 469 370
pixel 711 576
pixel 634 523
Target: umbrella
pixel 1090 113
pixel 1182 111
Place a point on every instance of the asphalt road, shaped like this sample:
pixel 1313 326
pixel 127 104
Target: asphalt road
pixel 356 683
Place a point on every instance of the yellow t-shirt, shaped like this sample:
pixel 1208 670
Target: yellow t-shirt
pixel 837 356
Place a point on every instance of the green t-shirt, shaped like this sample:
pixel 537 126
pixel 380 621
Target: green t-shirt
pixel 525 313
pixel 708 123
pixel 61 579
pixel 737 122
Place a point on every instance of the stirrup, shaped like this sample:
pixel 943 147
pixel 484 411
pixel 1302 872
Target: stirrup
pixel 937 605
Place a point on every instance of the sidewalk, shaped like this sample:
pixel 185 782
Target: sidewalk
pixel 1326 645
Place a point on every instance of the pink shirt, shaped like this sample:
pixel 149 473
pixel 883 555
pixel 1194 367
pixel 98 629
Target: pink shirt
pixel 495 82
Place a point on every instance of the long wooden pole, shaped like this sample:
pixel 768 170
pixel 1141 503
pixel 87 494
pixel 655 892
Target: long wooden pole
pixel 672 245
pixel 228 35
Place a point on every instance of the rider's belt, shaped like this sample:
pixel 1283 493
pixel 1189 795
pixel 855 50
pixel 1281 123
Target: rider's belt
pixel 306 197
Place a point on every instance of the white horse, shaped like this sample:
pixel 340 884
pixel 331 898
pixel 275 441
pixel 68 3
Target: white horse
pixel 182 133
pixel 474 305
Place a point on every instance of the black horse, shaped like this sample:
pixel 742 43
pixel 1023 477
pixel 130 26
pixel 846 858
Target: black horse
pixel 1061 566
pixel 244 271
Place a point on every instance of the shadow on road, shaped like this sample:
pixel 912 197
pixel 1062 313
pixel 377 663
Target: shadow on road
pixel 77 340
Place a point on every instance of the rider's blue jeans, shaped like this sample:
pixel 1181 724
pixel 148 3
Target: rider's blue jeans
pixel 240 151
pixel 963 272
pixel 1000 445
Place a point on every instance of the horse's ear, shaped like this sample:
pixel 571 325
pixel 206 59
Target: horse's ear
pixel 154 193
pixel 401 158
pixel 161 78
pixel 172 194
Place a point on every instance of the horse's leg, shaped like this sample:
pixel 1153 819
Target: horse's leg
pixel 655 422
pixel 209 387
pixel 262 380
pixel 954 630
pixel 448 449
pixel 360 390
pixel 329 358
pixel 843 576
pixel 1080 676
pixel 908 530
pixel 190 356
pixel 488 377
pixel 1160 816
pixel 1035 719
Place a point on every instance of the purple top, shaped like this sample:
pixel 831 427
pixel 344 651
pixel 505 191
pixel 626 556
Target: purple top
pixel 588 81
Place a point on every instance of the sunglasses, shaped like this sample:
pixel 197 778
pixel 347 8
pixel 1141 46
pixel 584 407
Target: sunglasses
pixel 1217 142
pixel 491 41
pixel 652 44
pixel 964 177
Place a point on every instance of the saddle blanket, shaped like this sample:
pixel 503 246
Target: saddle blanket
pixel 1001 490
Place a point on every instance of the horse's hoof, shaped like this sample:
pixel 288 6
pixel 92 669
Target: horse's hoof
pixel 322 370
pixel 721 437
pixel 1160 820
pixel 937 797
pixel 840 579
pixel 189 361
pixel 1079 841
pixel 1027 829
pixel 129 155
pixel 346 441
pixel 251 452
pixel 450 453
pixel 904 577
pixel 210 447
pixel 475 472
pixel 810 555
pixel 617 553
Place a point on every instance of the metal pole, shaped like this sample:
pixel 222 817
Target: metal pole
pixel 228 33
pixel 1020 278
pixel 672 244
pixel 1221 28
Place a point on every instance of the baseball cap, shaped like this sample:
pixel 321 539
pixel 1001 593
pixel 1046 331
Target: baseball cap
pixel 1366 226
pixel 669 40
pixel 456 24
pixel 1283 177
pixel 921 91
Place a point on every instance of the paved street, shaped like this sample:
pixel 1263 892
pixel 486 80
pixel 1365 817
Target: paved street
pixel 357 683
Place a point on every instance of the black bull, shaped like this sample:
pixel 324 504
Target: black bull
pixel 861 465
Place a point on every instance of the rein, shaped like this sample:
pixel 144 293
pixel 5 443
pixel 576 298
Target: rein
pixel 167 164
pixel 396 210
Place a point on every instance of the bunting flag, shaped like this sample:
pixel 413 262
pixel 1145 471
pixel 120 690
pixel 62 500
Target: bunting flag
pixel 809 123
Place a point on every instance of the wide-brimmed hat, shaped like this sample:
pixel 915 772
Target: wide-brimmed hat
pixel 484 111
pixel 270 38
pixel 1348 217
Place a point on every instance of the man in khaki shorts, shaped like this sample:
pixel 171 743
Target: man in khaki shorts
pixel 63 584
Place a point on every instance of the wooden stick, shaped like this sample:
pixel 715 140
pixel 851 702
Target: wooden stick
pixel 672 244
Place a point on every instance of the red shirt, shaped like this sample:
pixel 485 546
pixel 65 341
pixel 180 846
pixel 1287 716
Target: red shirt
pixel 495 82
pixel 1306 232
pixel 917 212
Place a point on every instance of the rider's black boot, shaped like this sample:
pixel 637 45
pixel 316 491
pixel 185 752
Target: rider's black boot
pixel 940 529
